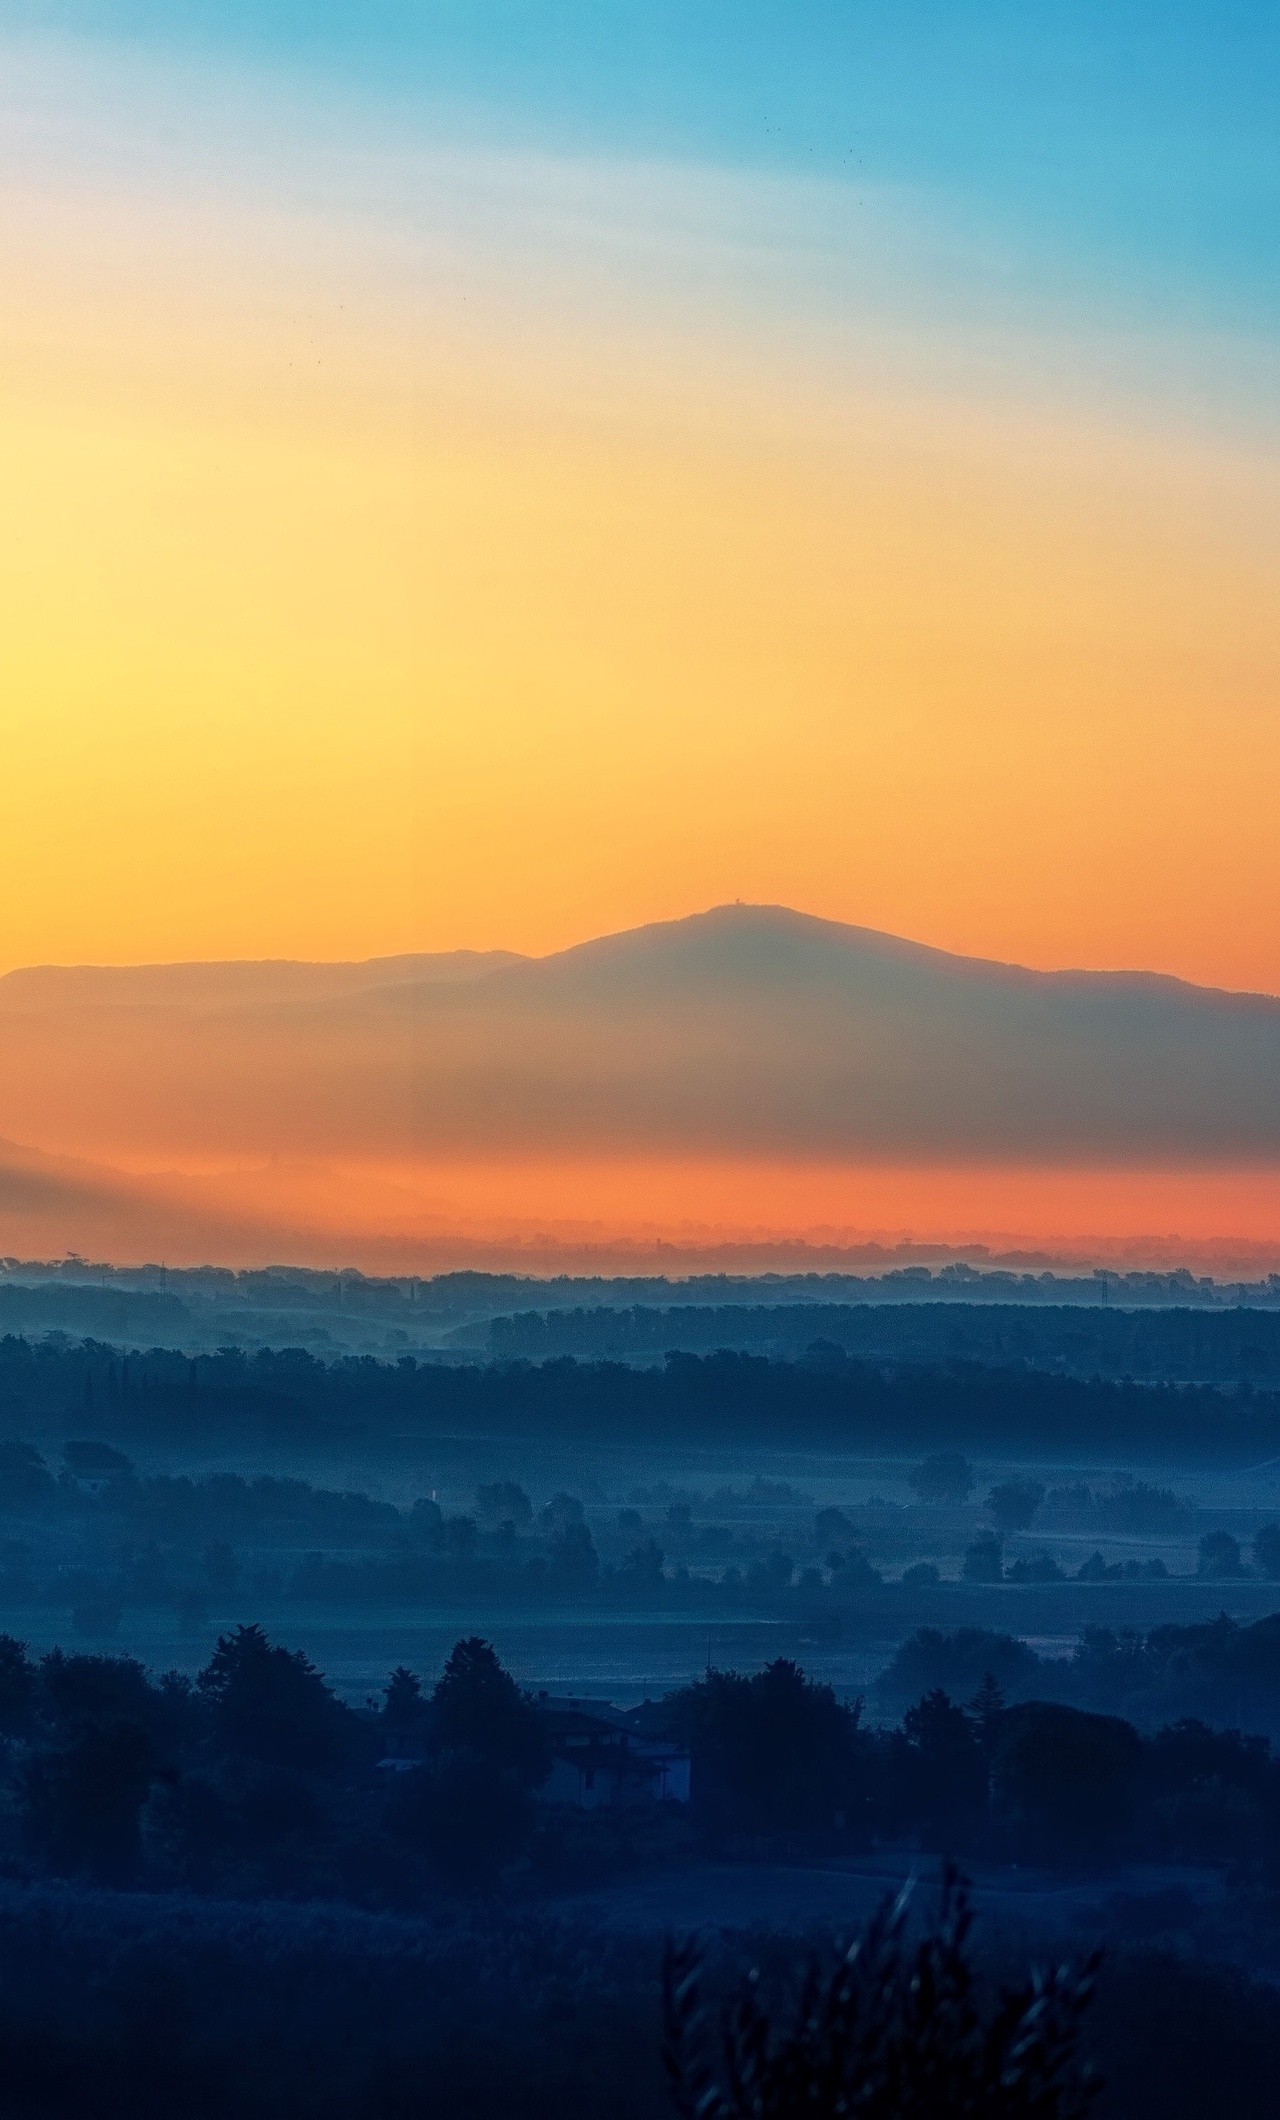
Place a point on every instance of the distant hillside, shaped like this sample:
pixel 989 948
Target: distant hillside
pixel 1162 1345
pixel 269 982
pixel 1165 1327
pixel 744 1031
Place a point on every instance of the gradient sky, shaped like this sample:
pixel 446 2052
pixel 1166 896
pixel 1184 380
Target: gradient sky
pixel 488 474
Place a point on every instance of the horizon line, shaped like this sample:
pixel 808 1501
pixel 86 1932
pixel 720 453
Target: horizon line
pixel 730 906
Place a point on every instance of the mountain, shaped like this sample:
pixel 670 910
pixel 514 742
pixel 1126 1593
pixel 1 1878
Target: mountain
pixel 745 1031
pixel 265 982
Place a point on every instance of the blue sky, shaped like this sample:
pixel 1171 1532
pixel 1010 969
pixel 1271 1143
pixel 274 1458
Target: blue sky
pixel 1138 143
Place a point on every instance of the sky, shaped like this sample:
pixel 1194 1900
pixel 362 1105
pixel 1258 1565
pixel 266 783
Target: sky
pixel 486 475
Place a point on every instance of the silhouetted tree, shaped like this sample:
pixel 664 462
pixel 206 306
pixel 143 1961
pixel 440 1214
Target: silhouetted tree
pixel 986 1708
pixel 467 1809
pixel 950 1774
pixel 403 1707
pixel 478 1708
pixel 771 1573
pixel 853 1571
pixel 643 1568
pixel 562 1509
pixel 770 1751
pixel 272 1704
pixel 1096 1570
pixel 1012 1506
pixel 504 1503
pixel 959 1662
pixel 1036 1568
pixel 575 1564
pixel 1219 1557
pixel 1066 1783
pixel 76 1689
pixel 831 1527
pixel 944 1477
pixel 1266 1551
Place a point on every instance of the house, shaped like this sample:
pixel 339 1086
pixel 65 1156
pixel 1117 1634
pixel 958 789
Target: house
pixel 599 1759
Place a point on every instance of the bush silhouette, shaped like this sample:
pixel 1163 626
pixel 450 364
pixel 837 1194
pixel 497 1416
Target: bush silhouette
pixel 83 1802
pixel 466 1815
pixel 884 2030
pixel 1067 1783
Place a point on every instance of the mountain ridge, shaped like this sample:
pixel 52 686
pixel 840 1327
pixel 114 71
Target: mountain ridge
pixel 743 1032
pixel 405 968
pixel 240 978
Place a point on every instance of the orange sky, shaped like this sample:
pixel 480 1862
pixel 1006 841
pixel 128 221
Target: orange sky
pixel 369 589
pixel 280 692
pixel 410 546
pixel 656 1216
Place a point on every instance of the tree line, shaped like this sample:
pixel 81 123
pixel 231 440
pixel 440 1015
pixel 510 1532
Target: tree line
pixel 256 1778
pixel 1174 1344
pixel 252 1786
pixel 290 1395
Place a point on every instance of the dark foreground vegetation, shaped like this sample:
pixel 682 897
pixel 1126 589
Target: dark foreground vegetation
pixel 256 1779
pixel 220 1896
pixel 257 1782
pixel 881 2027
pixel 161 2007
pixel 240 1893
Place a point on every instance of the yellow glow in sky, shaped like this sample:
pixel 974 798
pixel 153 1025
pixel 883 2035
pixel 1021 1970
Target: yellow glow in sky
pixel 417 621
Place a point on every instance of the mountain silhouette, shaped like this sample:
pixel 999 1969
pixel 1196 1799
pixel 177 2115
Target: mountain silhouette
pixel 746 1030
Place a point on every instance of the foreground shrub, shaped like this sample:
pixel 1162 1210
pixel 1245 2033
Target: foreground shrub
pixel 883 2030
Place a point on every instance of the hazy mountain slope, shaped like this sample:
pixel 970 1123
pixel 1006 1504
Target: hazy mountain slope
pixel 746 1030
pixel 270 982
